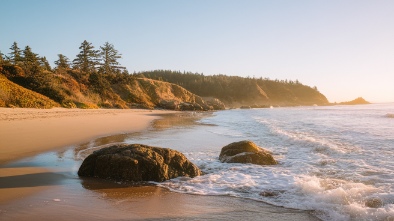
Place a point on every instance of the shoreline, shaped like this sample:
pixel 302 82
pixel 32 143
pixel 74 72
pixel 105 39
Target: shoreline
pixel 26 132
pixel 46 186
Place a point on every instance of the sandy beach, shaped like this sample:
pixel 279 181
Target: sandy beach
pixel 25 132
pixel 38 173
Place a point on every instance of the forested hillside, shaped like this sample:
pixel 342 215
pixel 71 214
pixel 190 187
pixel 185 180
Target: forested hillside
pixel 95 79
pixel 235 91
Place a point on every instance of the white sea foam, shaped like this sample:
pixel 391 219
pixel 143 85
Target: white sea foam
pixel 225 132
pixel 320 143
pixel 336 161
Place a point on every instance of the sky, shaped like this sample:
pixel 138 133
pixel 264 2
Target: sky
pixel 343 47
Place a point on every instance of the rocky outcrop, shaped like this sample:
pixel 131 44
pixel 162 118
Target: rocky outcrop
pixel 169 104
pixel 137 163
pixel 246 152
pixel 215 103
pixel 389 115
pixel 356 101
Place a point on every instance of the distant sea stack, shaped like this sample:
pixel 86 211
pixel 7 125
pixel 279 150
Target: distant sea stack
pixel 356 101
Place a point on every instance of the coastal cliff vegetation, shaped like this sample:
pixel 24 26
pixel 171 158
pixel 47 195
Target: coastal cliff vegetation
pixel 237 91
pixel 96 79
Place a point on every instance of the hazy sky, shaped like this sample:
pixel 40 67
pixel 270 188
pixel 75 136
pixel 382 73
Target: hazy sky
pixel 345 48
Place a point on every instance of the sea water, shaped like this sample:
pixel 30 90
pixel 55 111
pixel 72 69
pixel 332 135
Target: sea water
pixel 337 161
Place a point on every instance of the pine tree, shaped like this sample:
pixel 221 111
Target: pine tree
pixel 15 54
pixel 45 64
pixel 87 59
pixel 1 58
pixel 30 61
pixel 109 59
pixel 63 62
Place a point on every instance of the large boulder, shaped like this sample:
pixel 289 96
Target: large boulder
pixel 186 106
pixel 169 104
pixel 214 103
pixel 246 152
pixel 137 162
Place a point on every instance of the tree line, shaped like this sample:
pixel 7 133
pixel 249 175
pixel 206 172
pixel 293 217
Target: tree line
pixel 244 90
pixel 88 60
pixel 91 73
pixel 95 75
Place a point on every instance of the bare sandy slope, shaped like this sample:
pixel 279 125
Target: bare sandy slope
pixel 26 132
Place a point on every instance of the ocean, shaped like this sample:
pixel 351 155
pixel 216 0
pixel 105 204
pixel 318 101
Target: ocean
pixel 337 161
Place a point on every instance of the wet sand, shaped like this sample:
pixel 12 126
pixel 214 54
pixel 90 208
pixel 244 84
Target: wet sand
pixel 26 132
pixel 46 187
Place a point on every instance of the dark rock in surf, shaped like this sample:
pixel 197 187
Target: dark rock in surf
pixel 137 163
pixel 269 193
pixel 389 115
pixel 246 152
pixel 374 203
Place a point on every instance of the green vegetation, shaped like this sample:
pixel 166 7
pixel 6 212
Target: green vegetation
pixel 109 56
pixel 96 79
pixel 237 91
pixel 13 95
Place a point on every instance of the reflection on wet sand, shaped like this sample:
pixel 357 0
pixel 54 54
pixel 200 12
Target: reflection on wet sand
pixel 83 150
pixel 183 119
pixel 123 192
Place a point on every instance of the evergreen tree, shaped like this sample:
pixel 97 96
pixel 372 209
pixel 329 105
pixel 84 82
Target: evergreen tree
pixel 45 64
pixel 30 60
pixel 87 59
pixel 1 58
pixel 15 54
pixel 109 58
pixel 63 62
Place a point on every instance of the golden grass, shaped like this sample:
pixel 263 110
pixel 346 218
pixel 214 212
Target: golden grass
pixel 13 95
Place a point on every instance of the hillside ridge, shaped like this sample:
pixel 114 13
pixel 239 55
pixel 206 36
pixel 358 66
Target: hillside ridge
pixel 237 91
pixel 73 89
pixel 96 79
